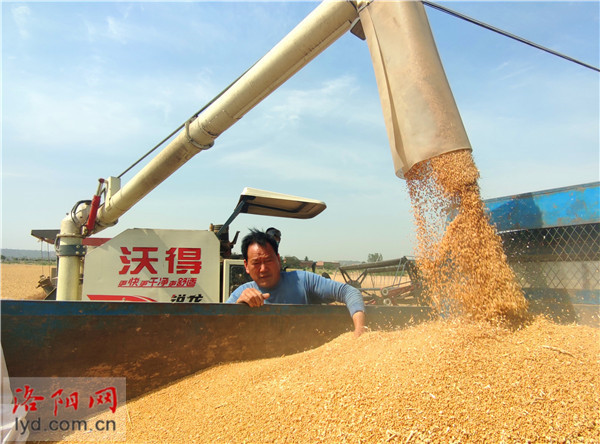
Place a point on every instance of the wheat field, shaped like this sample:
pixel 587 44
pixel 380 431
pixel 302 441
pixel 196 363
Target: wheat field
pixel 19 281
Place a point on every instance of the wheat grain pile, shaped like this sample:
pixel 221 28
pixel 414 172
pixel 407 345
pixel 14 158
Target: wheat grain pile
pixel 445 381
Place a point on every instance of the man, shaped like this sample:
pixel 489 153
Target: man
pixel 272 286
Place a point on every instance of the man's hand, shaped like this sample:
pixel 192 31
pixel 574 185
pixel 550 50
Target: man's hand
pixel 252 297
pixel 359 323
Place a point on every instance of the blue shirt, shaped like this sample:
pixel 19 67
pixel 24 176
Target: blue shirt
pixel 301 287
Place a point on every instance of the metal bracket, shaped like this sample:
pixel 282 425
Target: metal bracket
pixel 192 141
pixel 71 250
pixel 362 4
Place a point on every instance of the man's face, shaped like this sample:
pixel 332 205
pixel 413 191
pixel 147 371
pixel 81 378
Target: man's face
pixel 263 265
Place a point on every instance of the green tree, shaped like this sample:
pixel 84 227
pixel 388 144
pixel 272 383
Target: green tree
pixel 375 257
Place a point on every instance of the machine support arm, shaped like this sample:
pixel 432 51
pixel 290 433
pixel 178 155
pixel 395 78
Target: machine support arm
pixel 329 21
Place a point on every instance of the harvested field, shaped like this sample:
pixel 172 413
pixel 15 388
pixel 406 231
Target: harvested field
pixel 372 280
pixel 19 281
pixel 446 381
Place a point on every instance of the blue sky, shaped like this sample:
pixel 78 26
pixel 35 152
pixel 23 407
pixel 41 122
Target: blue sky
pixel 88 87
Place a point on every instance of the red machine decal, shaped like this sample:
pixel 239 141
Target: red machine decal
pixel 119 298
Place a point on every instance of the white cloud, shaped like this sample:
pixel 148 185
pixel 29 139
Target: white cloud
pixel 116 30
pixel 517 72
pixel 289 106
pixel 94 110
pixel 91 31
pixel 57 119
pixel 21 15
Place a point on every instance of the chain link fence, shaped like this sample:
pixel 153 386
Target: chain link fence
pixel 557 260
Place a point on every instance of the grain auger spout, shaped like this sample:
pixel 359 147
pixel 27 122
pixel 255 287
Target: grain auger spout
pixel 421 116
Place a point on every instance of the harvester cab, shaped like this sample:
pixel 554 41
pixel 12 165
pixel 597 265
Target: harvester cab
pixel 156 265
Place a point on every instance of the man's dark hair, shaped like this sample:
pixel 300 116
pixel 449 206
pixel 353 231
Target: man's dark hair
pixel 258 237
